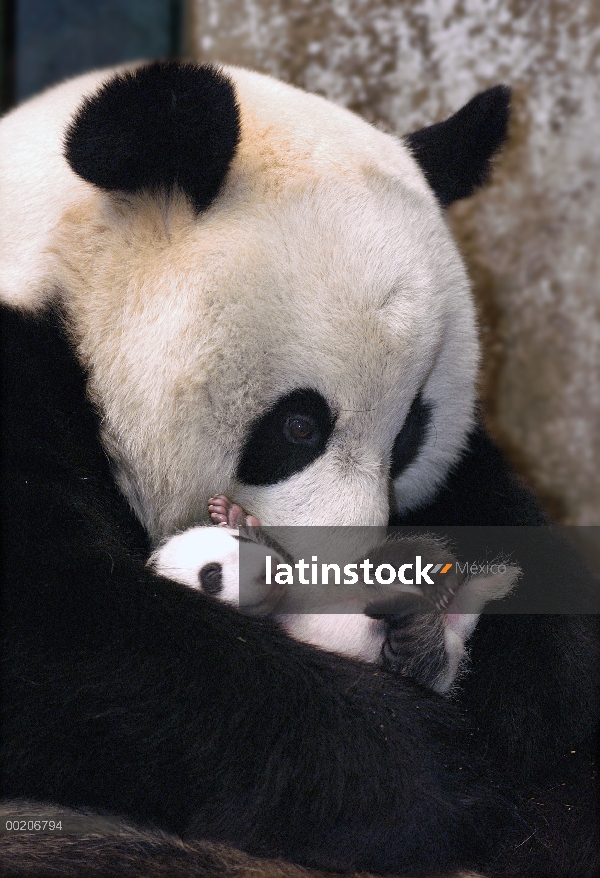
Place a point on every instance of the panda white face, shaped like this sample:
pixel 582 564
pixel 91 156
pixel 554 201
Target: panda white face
pixel 277 358
pixel 296 344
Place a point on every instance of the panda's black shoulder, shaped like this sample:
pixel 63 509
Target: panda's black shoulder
pixel 480 490
pixel 51 435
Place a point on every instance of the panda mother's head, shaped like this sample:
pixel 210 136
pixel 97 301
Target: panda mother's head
pixel 266 295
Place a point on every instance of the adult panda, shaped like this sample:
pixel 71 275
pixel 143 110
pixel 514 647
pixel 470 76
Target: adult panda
pixel 192 261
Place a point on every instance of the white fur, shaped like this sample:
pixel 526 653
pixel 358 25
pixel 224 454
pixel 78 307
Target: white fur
pixel 325 263
pixel 182 557
pixel 36 187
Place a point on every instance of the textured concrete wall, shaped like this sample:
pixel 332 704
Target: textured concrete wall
pixel 532 239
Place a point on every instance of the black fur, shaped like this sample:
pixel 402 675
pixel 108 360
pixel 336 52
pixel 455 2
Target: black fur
pixel 411 437
pixel 533 688
pixel 480 490
pixel 271 453
pixel 163 125
pixel 456 154
pixel 131 694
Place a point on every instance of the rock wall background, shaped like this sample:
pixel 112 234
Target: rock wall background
pixel 532 239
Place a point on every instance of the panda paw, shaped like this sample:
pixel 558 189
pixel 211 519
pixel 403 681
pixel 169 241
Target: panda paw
pixel 414 645
pixel 225 513
pixel 425 630
pixel 208 559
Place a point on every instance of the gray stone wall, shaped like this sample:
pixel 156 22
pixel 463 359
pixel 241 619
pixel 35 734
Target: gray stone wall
pixel 532 238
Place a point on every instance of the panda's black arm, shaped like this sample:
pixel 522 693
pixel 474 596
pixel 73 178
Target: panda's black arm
pixel 134 695
pixel 532 690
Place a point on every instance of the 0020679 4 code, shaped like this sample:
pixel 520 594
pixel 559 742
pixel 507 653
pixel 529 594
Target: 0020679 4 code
pixel 32 825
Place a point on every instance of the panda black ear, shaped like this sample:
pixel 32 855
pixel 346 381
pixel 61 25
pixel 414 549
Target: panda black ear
pixel 456 154
pixel 163 125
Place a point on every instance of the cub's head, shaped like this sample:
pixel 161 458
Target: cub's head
pixel 266 294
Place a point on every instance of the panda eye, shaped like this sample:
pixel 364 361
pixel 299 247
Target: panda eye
pixel 211 578
pixel 301 429
pixel 286 438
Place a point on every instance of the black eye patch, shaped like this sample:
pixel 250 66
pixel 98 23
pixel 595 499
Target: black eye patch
pixel 211 578
pixel 411 437
pixel 284 440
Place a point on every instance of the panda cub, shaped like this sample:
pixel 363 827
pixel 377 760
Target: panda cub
pixel 416 631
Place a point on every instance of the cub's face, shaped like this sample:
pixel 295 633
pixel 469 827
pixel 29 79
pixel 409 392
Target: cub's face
pixel 299 337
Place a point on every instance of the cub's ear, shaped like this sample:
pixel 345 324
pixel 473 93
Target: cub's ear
pixel 163 125
pixel 456 154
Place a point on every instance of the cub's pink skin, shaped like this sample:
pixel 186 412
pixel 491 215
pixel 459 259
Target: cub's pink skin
pixel 224 513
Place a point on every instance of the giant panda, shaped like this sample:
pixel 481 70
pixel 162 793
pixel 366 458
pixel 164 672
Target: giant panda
pixel 214 283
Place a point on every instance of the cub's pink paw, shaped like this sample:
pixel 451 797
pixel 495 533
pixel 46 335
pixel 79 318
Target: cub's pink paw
pixel 227 514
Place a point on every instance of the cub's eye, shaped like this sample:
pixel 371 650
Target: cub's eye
pixel 211 578
pixel 301 430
